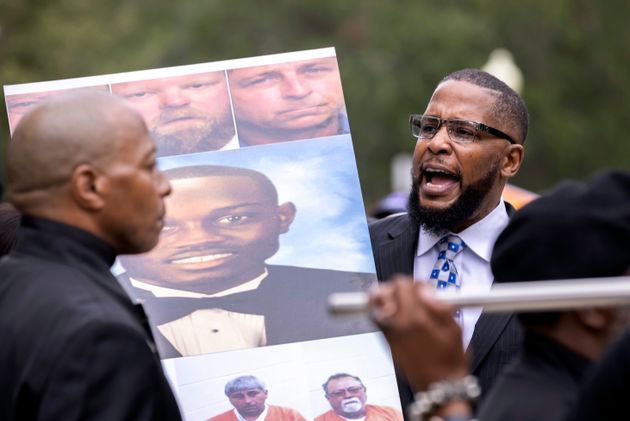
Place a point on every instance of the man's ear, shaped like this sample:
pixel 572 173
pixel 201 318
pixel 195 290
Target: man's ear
pixel 86 187
pixel 286 215
pixel 512 160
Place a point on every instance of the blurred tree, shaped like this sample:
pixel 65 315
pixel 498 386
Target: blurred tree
pixel 574 56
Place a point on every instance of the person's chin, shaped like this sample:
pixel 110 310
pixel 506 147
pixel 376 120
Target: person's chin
pixel 438 203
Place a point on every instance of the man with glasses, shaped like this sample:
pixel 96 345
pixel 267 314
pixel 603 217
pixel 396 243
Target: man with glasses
pixel 248 396
pixel 469 142
pixel 347 397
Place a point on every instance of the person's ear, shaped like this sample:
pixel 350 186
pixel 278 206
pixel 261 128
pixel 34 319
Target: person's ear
pixel 512 160
pixel 286 215
pixel 86 186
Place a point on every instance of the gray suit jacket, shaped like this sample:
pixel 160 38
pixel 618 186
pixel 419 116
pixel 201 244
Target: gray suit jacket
pixel 496 339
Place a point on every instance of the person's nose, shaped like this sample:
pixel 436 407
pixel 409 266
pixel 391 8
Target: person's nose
pixel 294 86
pixel 173 97
pixel 441 142
pixel 195 233
pixel 164 186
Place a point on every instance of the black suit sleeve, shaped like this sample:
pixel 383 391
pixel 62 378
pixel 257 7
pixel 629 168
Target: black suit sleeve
pixel 108 372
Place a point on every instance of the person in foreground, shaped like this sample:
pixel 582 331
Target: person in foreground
pixel 248 396
pixel 469 143
pixel 81 170
pixel 347 396
pixel 579 231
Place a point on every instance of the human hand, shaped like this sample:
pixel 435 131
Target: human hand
pixel 425 339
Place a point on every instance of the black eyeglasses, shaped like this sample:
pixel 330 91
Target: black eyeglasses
pixel 460 131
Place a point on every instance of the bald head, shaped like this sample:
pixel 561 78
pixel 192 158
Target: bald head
pixel 87 160
pixel 54 138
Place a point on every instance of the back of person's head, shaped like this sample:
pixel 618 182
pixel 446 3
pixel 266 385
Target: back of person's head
pixel 509 106
pixel 9 222
pixel 580 230
pixel 55 137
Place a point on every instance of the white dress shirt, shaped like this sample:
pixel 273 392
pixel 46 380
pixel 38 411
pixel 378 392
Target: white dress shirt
pixel 213 329
pixel 473 263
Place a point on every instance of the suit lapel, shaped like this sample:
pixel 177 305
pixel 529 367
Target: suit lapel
pixel 487 331
pixel 397 253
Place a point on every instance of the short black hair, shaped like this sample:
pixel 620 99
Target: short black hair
pixel 339 376
pixel 199 171
pixel 509 106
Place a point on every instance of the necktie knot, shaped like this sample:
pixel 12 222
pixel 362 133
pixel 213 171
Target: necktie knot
pixel 444 272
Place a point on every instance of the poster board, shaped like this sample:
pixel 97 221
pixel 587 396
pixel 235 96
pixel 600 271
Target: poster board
pixel 266 219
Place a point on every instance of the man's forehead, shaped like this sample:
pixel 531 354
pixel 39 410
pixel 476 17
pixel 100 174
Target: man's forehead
pixel 34 97
pixel 343 381
pixel 247 390
pixel 460 99
pixel 282 67
pixel 220 184
pixel 162 83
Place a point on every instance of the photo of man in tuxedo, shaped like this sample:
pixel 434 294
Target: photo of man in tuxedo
pixel 207 286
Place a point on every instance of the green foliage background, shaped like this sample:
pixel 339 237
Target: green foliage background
pixel 575 57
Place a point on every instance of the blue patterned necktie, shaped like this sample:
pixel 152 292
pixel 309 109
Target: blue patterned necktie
pixel 444 273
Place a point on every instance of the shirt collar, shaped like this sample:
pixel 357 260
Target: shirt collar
pixel 479 237
pixel 162 292
pixel 262 416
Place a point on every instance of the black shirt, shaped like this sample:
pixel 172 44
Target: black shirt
pixel 74 346
pixel 542 384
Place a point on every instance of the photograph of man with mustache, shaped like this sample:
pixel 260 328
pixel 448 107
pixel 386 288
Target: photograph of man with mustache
pixel 207 287
pixel 288 101
pixel 248 395
pixel 348 396
pixel 185 114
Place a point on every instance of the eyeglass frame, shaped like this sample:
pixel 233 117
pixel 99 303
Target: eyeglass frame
pixel 352 390
pixel 479 126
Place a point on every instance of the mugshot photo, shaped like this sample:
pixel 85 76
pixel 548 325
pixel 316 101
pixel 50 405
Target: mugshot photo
pixel 185 114
pixel 302 100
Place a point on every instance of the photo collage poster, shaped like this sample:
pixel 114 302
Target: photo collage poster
pixel 264 222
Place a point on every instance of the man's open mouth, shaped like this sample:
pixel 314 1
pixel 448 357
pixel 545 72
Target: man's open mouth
pixel 439 176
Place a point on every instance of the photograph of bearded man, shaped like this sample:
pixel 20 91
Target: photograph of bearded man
pixel 185 114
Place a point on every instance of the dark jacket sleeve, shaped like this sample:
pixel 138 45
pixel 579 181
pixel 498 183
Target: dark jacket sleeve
pixel 108 373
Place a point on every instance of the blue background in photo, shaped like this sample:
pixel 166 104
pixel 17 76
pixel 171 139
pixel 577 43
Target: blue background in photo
pixel 320 177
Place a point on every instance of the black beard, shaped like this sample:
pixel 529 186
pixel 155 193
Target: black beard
pixel 442 221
